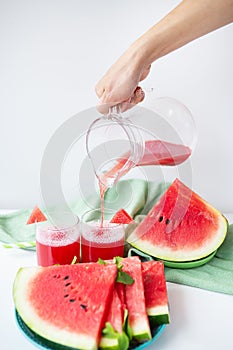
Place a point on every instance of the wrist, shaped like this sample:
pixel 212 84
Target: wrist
pixel 140 55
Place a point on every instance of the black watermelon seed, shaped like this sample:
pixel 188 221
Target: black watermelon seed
pixel 66 295
pixel 167 221
pixel 160 218
pixel 66 277
pixel 67 284
pixel 84 307
pixel 72 300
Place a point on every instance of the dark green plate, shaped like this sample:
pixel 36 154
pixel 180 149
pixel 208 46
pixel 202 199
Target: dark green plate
pixel 43 343
pixel 174 264
pixel 189 264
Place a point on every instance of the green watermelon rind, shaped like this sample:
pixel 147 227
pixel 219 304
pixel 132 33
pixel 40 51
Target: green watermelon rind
pixel 108 343
pixel 159 314
pixel 37 339
pixel 159 320
pixel 115 342
pixel 138 332
pixel 36 324
pixel 112 343
pixel 183 255
pixel 45 343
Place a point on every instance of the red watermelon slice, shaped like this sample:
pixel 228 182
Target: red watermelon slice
pixel 155 291
pixel 138 323
pixel 116 313
pixel 180 227
pixel 71 304
pixel 113 334
pixel 122 217
pixel 66 304
pixel 36 216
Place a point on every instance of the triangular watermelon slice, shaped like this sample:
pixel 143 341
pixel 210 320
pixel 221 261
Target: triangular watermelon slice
pixel 113 335
pixel 180 227
pixel 122 217
pixel 138 322
pixel 155 291
pixel 36 216
pixel 65 304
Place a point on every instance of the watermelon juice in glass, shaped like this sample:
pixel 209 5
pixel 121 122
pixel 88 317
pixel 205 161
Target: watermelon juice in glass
pixel 58 241
pixel 100 238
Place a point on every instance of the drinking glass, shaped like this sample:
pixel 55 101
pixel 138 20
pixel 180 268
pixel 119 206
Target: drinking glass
pixel 58 240
pixel 101 238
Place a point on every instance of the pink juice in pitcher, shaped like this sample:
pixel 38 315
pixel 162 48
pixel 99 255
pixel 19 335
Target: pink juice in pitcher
pixel 156 152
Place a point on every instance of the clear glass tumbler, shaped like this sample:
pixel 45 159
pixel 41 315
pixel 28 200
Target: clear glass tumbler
pixel 103 240
pixel 58 240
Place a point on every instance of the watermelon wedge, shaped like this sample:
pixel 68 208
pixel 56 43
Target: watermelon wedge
pixel 155 291
pixel 180 227
pixel 65 304
pixel 122 217
pixel 36 216
pixel 113 335
pixel 138 323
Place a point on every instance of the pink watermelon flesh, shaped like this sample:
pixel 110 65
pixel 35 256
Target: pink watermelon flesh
pixel 180 227
pixel 135 300
pixel 36 216
pixel 115 314
pixel 66 304
pixel 120 287
pixel 122 217
pixel 115 318
pixel 155 291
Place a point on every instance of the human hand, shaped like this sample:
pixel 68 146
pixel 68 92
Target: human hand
pixel 182 25
pixel 120 83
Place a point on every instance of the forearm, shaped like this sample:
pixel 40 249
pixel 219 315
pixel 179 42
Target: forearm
pixel 191 19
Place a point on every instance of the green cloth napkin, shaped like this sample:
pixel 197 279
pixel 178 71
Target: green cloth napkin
pixel 136 197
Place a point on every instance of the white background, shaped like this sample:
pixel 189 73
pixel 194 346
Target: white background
pixel 54 52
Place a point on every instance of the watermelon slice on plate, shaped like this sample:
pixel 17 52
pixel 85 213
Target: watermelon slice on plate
pixel 76 297
pixel 122 217
pixel 113 334
pixel 138 323
pixel 43 343
pixel 181 227
pixel 36 216
pixel 81 306
pixel 155 291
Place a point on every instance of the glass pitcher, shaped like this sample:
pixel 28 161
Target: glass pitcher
pixel 162 133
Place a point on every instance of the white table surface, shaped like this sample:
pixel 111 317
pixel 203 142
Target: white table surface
pixel 200 320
